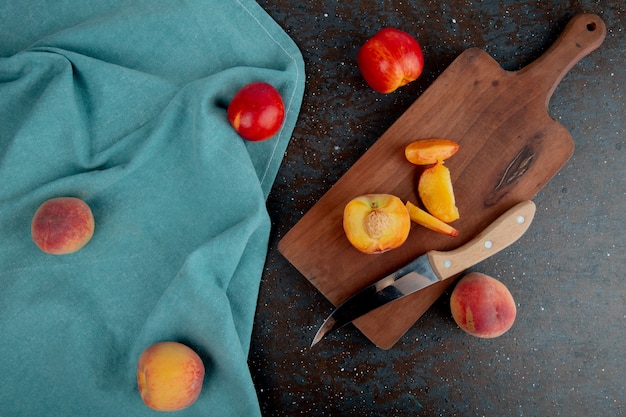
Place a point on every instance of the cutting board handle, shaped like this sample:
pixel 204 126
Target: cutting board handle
pixel 583 34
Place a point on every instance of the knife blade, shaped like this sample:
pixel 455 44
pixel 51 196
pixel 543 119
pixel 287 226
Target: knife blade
pixel 432 267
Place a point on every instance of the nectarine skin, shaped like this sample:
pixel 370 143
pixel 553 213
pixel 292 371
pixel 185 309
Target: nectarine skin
pixel 62 225
pixel 390 59
pixel 482 306
pixel 257 111
pixel 169 376
pixel 430 151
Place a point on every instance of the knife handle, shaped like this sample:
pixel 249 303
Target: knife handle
pixel 503 232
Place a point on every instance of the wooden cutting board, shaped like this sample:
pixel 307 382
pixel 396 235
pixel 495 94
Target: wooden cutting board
pixel 509 148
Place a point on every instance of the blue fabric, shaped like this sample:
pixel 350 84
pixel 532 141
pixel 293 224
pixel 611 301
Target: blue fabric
pixel 123 103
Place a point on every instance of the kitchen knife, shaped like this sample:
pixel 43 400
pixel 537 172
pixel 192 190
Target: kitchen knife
pixel 432 267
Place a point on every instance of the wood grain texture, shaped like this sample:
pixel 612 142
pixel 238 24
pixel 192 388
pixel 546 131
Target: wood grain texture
pixel 509 149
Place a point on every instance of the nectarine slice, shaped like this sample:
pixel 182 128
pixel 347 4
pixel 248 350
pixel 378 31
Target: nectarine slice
pixel 375 223
pixel 435 191
pixel 429 221
pixel 429 151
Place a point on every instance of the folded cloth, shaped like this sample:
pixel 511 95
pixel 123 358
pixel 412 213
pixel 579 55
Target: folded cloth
pixel 122 103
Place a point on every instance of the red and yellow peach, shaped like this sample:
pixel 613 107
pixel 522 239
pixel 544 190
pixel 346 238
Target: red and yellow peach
pixel 62 225
pixel 482 306
pixel 169 376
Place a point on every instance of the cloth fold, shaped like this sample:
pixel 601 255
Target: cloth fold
pixel 122 103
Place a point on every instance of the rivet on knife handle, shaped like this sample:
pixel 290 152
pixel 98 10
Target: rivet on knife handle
pixel 430 268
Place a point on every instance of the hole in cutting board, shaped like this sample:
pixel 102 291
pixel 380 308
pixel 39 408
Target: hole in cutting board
pixel 591 26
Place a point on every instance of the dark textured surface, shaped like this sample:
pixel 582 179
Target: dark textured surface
pixel 564 355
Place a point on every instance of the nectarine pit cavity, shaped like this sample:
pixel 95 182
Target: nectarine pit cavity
pixel 376 222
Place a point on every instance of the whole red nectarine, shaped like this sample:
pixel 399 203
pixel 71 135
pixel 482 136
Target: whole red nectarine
pixel 256 111
pixel 390 59
pixel 482 306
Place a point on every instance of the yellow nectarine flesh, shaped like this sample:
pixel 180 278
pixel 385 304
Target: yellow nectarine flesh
pixel 482 306
pixel 435 191
pixel 429 151
pixel 429 221
pixel 62 225
pixel 169 376
pixel 376 223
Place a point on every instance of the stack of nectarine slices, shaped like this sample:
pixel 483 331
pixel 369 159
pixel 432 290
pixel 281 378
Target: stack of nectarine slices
pixel 435 184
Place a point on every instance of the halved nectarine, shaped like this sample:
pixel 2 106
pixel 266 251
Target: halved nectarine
pixel 375 223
